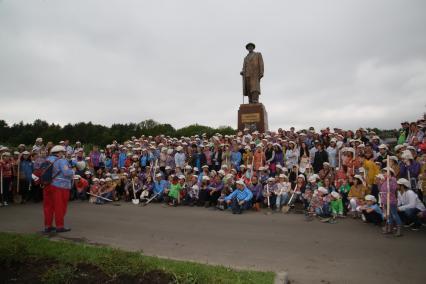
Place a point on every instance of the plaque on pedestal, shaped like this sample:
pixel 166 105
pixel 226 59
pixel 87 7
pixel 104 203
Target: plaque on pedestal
pixel 253 117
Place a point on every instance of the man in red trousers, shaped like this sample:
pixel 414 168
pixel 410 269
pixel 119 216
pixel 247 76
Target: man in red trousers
pixel 57 193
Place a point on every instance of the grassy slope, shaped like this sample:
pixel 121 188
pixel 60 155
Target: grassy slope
pixel 113 261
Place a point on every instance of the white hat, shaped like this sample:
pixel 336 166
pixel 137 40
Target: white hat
pixel 179 148
pixel 395 158
pixel 39 139
pixel 383 146
pixel 406 155
pixel 167 168
pixel 205 166
pixel 87 172
pixel 404 182
pixel 25 153
pixel 312 178
pixel 335 194
pixel 206 178
pixel 221 172
pixel 243 166
pixel 380 176
pixel 262 168
pixel 390 169
pixel 301 176
pixel 195 169
pixel 95 179
pixel 282 176
pixel 323 190
pixel 370 197
pixel 181 177
pixel 271 179
pixel 326 164
pixel 158 175
pixel 359 178
pixel 188 167
pixel 108 179
pixel 240 182
pixel 58 148
pixel 398 147
pixel 77 177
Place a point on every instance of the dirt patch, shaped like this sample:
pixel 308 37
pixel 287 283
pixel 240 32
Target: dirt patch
pixel 48 271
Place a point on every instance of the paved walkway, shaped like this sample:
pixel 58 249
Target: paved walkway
pixel 311 252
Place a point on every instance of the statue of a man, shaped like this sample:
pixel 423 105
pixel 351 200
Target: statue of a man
pixel 252 73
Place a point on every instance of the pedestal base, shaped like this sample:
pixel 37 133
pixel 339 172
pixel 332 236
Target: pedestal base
pixel 253 117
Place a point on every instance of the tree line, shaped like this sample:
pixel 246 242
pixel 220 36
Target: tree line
pixel 90 133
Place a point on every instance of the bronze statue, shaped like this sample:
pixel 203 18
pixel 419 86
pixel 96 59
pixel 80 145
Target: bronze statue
pixel 252 73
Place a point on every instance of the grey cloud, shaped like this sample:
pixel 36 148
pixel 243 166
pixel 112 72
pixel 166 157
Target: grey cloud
pixel 327 63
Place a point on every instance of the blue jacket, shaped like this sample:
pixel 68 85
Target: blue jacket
pixel 26 169
pixel 62 173
pixel 122 159
pixel 160 186
pixel 244 194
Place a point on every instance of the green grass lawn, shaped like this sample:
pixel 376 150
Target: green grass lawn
pixel 113 262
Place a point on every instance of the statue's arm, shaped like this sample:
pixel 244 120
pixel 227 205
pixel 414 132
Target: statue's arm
pixel 261 64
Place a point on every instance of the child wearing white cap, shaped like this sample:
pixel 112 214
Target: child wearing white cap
pixel 371 212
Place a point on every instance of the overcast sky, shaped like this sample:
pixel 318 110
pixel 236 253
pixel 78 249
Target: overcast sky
pixel 327 63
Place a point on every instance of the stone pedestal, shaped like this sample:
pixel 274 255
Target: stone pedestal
pixel 253 117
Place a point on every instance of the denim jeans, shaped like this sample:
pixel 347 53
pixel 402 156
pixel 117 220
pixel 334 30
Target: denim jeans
pixel 281 200
pixel 409 215
pixel 393 219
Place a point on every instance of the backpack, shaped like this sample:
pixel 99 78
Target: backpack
pixel 45 173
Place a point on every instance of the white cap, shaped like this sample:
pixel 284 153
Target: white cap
pixel 206 178
pixel 271 179
pixel 335 194
pixel 390 169
pixel 301 176
pixel 58 148
pixel 158 175
pixel 240 182
pixel 359 178
pixel 179 148
pixel 77 177
pixel 383 146
pixel 370 197
pixel 181 177
pixel 406 155
pixel 404 182
pixel 380 176
pixel 323 190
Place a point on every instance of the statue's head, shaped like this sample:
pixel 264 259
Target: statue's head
pixel 250 46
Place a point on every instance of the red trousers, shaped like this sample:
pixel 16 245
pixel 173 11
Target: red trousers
pixel 55 202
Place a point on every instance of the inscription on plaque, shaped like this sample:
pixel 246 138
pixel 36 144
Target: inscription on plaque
pixel 250 117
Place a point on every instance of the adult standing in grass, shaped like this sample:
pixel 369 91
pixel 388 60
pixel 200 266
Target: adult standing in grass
pixel 57 193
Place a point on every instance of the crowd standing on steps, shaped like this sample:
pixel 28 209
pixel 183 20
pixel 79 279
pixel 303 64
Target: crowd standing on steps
pixel 326 174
